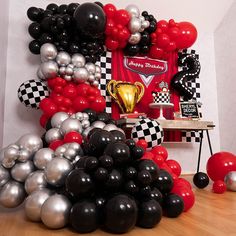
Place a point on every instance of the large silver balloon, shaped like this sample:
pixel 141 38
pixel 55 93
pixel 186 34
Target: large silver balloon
pixel 24 155
pixel 52 135
pixel 63 58
pixel 34 202
pixel 230 181
pixel 35 181
pixel 135 38
pixel 49 69
pixel 12 194
pixel 134 25
pixel 42 157
pixel 98 124
pixel 78 60
pixel 4 176
pixel 55 211
pixel 48 52
pixel 58 118
pixel 133 10
pixel 57 170
pixel 32 142
pixel 110 127
pixel 10 156
pixel 20 171
pixel 81 75
pixel 91 68
pixel 70 124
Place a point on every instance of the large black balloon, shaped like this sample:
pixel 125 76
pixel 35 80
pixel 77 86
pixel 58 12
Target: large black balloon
pixel 90 20
pixel 119 152
pixel 164 182
pixel 118 135
pixel 83 217
pixel 149 214
pixel 150 166
pixel 173 205
pixel 120 214
pixel 79 183
pixel 201 180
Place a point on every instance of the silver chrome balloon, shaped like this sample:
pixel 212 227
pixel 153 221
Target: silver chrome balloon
pixel 12 194
pixel 24 155
pixel 98 124
pixel 57 170
pixel 69 70
pixel 70 124
pixel 52 135
pixel 110 127
pixel 10 156
pixel 78 60
pixel 134 25
pixel 48 52
pixel 145 24
pixel 85 124
pixel 63 59
pixel 20 171
pixel 35 181
pixel 62 70
pixel 70 154
pixel 32 142
pixel 91 78
pixel 75 146
pixel 4 176
pixel 80 75
pixel 40 74
pixel 55 211
pixel 86 131
pixel 59 152
pixel 135 38
pixel 230 181
pixel 95 83
pixel 91 68
pixel 98 76
pixel 49 69
pixel 68 77
pixel 34 202
pixel 42 157
pixel 79 116
pixel 85 116
pixel 133 10
pixel 58 118
pixel 98 69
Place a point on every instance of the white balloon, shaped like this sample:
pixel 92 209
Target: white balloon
pixel 98 124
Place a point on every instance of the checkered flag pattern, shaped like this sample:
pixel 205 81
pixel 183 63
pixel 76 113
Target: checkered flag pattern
pixel 194 84
pixel 32 92
pixel 105 64
pixel 161 97
pixel 149 130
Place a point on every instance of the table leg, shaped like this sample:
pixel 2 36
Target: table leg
pixel 200 151
pixel 209 142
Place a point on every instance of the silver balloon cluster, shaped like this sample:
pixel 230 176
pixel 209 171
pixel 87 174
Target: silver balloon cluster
pixel 70 68
pixel 230 181
pixel 136 25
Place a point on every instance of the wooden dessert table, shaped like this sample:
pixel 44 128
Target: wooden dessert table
pixel 181 125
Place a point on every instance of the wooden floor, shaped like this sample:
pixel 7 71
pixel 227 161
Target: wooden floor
pixel 212 215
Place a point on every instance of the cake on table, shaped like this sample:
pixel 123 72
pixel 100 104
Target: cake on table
pixel 161 94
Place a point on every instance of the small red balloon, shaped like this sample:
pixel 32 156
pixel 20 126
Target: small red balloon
pixel 109 26
pixel 48 107
pixel 171 47
pixel 219 187
pixel 69 91
pixel 80 103
pixel 160 150
pixel 142 143
pixel 164 166
pixel 55 144
pixel 148 156
pixel 66 102
pixel 98 105
pixel 163 25
pixel 58 81
pixel 156 52
pixel 82 89
pixel 109 10
pixel 173 32
pixel 72 137
pixel 122 17
pixel 163 40
pixel 111 44
pixel 181 182
pixel 158 160
pixel 43 120
pixel 174 166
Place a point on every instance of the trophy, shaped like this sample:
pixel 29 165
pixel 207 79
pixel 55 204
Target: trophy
pixel 126 94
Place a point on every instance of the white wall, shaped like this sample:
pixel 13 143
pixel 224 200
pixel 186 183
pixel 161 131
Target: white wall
pixel 21 66
pixel 225 48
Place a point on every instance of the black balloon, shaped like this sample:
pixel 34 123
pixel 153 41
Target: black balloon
pixel 137 152
pixel 101 174
pixel 91 164
pixel 90 20
pixel 71 8
pixel 34 30
pixel 131 187
pixel 173 205
pixel 83 217
pixel 106 162
pixel 34 13
pixel 144 178
pixel 114 180
pixel 149 214
pixel 48 124
pixel 34 47
pixel 52 7
pixel 120 214
pixel 145 192
pixel 62 9
pixel 150 166
pixel 180 80
pixel 157 195
pixel 79 183
pixel 132 50
pixel 131 143
pixel 164 182
pixel 118 135
pixel 119 152
pixel 130 172
pixel 103 116
pixel 201 180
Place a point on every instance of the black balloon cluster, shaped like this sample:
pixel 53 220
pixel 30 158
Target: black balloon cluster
pixel 114 188
pixel 69 27
pixel 143 47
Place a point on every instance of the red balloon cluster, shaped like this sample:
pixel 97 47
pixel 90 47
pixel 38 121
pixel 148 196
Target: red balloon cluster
pixel 181 186
pixel 117 33
pixel 170 36
pixel 71 98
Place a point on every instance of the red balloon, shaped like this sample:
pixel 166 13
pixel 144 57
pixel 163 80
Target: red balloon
pixel 123 34
pixel 163 40
pixel 170 47
pixel 80 103
pixel 156 52
pixel 219 186
pixel 122 17
pixel 55 144
pixel 122 44
pixel 69 91
pixel 174 166
pixel 173 32
pixel 181 182
pixel 172 23
pixel 93 91
pixel 66 102
pixel 58 99
pixel 43 120
pixel 187 35
pixel 58 89
pixel 48 107
pixel 82 89
pixel 220 164
pixel 148 156
pixel 111 44
pixel 72 137
pixel 158 160
pixel 164 166
pixel 99 104
pixel 70 111
pixel 109 10
pixel 163 25
pixel 187 195
pixel 109 26
pixel 160 150
pixel 142 143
